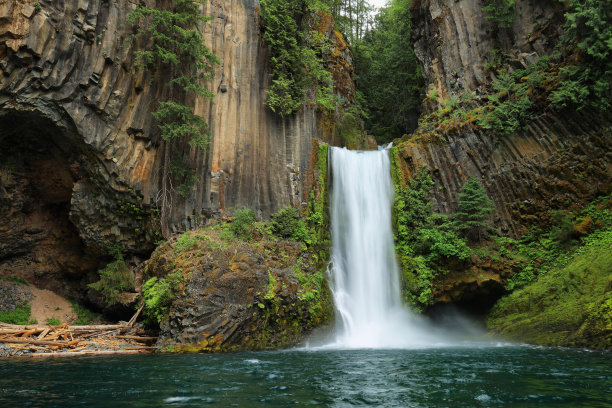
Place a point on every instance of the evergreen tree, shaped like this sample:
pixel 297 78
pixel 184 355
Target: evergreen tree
pixel 472 218
pixel 174 47
pixel 388 74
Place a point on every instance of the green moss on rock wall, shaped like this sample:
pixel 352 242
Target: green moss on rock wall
pixel 569 306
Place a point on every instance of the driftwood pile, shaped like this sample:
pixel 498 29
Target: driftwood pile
pixel 65 340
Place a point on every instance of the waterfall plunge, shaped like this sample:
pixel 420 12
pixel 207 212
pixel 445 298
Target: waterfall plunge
pixel 364 275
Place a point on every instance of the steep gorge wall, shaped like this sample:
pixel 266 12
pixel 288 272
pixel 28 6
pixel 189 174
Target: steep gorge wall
pixel 559 161
pixel 68 85
pixel 453 40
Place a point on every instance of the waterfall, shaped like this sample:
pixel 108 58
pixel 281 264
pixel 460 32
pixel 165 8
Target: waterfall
pixel 364 272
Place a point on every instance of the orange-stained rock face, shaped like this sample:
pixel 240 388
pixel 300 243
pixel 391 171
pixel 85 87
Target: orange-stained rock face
pixel 69 65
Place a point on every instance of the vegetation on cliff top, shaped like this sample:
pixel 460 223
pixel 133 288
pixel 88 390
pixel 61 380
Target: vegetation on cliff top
pixel 388 75
pixel 296 297
pixel 577 74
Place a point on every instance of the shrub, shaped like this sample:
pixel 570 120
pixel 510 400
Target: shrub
pixel 588 29
pixel 19 315
pixel 158 295
pixel 53 321
pixel 500 11
pixel 287 224
pixel 114 278
pixel 84 316
pixel 175 44
pixel 472 218
pixel 242 224
pixel 511 105
pixel 185 242
pixel 283 35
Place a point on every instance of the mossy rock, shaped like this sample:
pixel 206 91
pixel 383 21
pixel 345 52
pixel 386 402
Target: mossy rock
pixel 238 295
pixel 570 306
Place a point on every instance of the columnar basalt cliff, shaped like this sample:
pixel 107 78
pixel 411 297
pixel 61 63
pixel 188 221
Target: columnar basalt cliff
pixel 453 40
pixel 557 161
pixel 70 95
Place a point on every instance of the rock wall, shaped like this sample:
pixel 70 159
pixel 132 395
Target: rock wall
pixel 453 40
pixel 67 74
pixel 556 163
pixel 560 161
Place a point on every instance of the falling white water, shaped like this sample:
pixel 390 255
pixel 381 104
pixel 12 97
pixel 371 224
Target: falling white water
pixel 364 272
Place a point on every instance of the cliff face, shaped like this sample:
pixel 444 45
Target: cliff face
pixel 560 160
pixel 453 40
pixel 72 107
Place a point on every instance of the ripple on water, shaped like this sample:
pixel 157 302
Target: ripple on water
pixel 381 378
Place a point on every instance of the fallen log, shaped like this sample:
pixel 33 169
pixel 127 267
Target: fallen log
pixel 140 338
pixel 43 334
pixel 18 340
pixel 86 353
pixel 99 327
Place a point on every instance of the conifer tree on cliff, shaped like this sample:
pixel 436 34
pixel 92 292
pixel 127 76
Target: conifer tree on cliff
pixel 472 218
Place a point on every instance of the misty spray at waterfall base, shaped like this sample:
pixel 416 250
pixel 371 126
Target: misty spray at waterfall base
pixel 364 275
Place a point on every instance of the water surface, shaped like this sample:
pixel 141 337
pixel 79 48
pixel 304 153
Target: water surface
pixel 505 376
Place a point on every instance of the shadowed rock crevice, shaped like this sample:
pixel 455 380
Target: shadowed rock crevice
pixel 40 166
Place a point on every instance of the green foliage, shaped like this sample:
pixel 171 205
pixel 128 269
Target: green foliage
pixel 158 295
pixel 37 6
pixel 312 292
pixel 544 251
pixel 178 122
pixel 568 306
pixel 511 105
pixel 388 74
pixel 424 241
pixel 283 35
pixel 185 242
pixel 19 315
pixel 180 171
pixel 297 61
pixel 287 224
pixel 176 46
pixel 442 244
pixel 114 278
pixel 588 29
pixel 500 11
pixel 317 219
pixel 84 316
pixel 241 226
pixel 472 219
pixel 53 321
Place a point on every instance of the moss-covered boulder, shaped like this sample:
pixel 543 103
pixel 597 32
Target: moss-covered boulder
pixel 569 306
pixel 231 295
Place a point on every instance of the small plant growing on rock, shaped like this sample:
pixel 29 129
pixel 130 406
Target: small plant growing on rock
pixel 158 294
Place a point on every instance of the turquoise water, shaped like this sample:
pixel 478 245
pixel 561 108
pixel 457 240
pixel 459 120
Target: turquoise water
pixel 448 377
